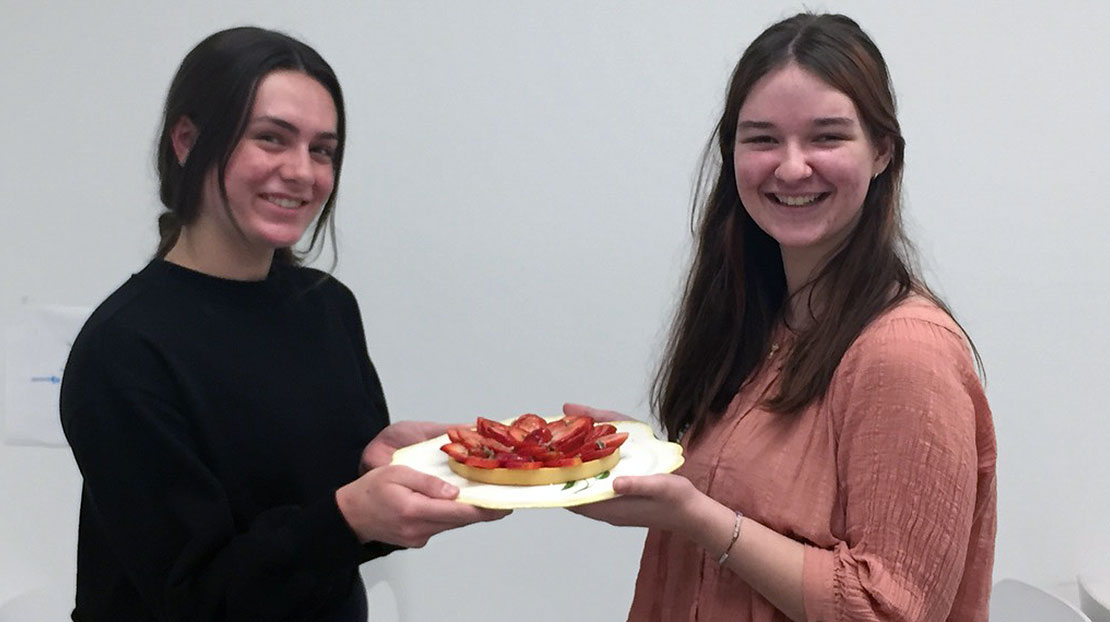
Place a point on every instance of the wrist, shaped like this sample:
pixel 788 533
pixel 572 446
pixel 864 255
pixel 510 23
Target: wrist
pixel 737 525
pixel 344 502
pixel 712 527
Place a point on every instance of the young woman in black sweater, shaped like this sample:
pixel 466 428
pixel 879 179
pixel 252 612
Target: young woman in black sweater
pixel 221 405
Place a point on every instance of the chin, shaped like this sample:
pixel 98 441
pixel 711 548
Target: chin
pixel 281 239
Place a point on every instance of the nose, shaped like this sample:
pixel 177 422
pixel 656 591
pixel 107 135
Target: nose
pixel 297 166
pixel 793 166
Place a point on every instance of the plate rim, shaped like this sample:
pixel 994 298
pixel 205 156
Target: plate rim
pixel 671 458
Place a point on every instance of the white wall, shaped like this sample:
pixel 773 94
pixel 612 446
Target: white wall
pixel 513 218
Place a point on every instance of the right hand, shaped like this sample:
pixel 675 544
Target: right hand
pixel 399 505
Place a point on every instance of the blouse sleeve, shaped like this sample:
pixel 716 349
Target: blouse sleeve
pixel 904 417
pixel 166 516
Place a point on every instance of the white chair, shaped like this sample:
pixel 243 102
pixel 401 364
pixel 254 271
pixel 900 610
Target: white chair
pixel 1094 598
pixel 1017 601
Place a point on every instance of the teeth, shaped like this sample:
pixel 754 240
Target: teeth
pixel 280 202
pixel 798 200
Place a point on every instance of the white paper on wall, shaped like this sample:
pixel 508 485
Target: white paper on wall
pixel 37 343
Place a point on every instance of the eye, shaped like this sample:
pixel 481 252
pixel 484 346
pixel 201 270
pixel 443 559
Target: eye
pixel 758 139
pixel 269 138
pixel 323 153
pixel 831 138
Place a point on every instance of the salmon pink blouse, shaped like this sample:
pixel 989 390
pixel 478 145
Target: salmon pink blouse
pixel 889 482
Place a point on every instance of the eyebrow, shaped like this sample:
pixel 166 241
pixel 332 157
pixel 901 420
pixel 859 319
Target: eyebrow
pixel 827 121
pixel 819 122
pixel 282 123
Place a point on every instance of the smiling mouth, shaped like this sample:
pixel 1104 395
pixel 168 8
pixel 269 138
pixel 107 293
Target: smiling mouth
pixel 797 200
pixel 286 202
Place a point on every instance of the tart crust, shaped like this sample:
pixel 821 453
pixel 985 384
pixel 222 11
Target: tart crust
pixel 535 477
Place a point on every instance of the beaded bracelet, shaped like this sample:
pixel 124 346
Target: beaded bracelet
pixel 735 537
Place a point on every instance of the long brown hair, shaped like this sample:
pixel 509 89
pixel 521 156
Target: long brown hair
pixel 736 290
pixel 215 88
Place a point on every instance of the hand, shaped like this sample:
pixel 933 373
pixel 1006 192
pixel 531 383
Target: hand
pixel 399 505
pixel 669 502
pixel 395 436
pixel 596 413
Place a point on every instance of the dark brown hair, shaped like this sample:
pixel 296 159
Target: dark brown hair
pixel 215 88
pixel 736 290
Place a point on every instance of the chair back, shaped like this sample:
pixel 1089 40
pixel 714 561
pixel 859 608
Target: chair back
pixel 1017 601
pixel 1094 598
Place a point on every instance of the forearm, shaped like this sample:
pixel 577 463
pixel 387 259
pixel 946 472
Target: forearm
pixel 768 561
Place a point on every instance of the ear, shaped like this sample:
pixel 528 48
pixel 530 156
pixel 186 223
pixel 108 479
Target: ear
pixel 182 136
pixel 884 151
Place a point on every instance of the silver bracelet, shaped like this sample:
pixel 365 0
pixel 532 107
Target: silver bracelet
pixel 735 537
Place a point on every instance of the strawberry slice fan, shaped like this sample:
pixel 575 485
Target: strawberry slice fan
pixel 532 451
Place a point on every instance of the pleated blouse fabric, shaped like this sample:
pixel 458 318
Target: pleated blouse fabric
pixel 889 481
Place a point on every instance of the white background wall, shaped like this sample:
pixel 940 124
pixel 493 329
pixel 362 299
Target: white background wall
pixel 514 219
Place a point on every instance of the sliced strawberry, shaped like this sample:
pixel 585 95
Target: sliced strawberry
pixel 517 436
pixel 571 435
pixel 600 430
pixel 468 437
pixel 482 463
pixel 512 460
pixel 457 451
pixel 538 436
pixel 529 422
pixel 531 450
pixel 594 454
pixel 609 440
pixel 495 430
pixel 563 462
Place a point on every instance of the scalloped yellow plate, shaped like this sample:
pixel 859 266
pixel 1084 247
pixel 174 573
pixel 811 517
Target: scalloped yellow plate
pixel 641 454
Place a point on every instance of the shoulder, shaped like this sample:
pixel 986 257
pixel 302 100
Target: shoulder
pixel 114 346
pixel 915 329
pixel 914 348
pixel 315 281
pixel 125 311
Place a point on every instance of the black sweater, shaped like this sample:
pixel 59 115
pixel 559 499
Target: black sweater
pixel 212 421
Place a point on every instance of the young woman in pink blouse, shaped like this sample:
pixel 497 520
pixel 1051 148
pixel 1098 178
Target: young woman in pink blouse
pixel 840 455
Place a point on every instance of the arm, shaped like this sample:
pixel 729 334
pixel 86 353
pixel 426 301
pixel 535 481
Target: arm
pixel 907 465
pixel 166 522
pixel 770 562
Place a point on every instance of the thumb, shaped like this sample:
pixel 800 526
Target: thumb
pixel 572 409
pixel 427 485
pixel 639 486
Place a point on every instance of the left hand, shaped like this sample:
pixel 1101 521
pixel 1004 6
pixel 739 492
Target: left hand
pixel 395 436
pixel 667 501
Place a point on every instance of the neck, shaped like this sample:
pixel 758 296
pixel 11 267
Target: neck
pixel 800 267
pixel 236 263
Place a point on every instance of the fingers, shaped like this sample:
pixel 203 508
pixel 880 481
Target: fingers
pixel 578 410
pixel 432 429
pixel 427 485
pixel 597 414
pixel 440 505
pixel 664 485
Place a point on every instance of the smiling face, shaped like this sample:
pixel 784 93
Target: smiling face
pixel 277 178
pixel 803 165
